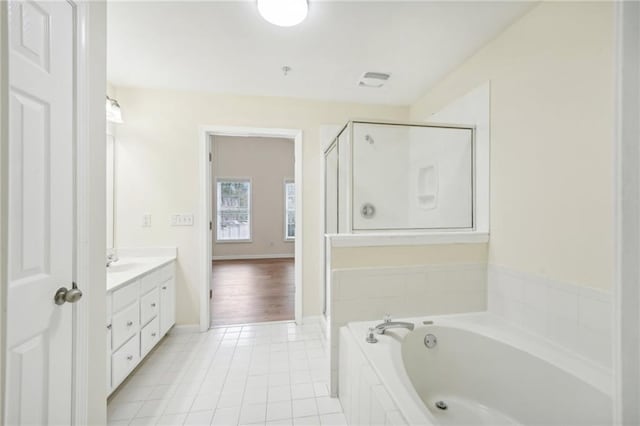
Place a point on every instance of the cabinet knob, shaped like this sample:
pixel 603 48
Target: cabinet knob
pixel 153 334
pixel 130 357
pixel 153 305
pixel 129 323
pixel 164 287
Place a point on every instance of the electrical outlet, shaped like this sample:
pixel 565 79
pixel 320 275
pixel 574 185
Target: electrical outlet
pixel 146 220
pixel 182 219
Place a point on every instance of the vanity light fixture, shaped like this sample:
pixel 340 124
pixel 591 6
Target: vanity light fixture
pixel 114 114
pixel 283 13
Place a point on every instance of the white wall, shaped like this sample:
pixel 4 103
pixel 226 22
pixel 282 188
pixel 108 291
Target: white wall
pixel 4 81
pixel 268 162
pixel 158 171
pixel 551 78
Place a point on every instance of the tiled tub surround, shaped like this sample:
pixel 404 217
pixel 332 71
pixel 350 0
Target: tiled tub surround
pixel 386 382
pixel 369 293
pixel 256 374
pixel 574 317
pixel 365 400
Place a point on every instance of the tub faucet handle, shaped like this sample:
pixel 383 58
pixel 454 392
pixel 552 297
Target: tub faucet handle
pixel 386 318
pixel 371 336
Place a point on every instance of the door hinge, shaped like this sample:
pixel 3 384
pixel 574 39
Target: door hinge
pixel 210 294
pixel 210 225
pixel 210 157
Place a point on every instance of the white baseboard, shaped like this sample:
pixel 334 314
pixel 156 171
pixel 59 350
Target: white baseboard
pixel 317 319
pixel 185 328
pixel 253 256
pixel 312 319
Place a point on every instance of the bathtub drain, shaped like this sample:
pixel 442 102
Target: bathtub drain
pixel 441 405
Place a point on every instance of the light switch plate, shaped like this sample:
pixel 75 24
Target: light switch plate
pixel 182 219
pixel 146 220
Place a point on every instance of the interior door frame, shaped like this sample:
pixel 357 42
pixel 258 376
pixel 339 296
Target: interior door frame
pixel 206 209
pixel 4 220
pixel 90 212
pixel 89 120
pixel 626 167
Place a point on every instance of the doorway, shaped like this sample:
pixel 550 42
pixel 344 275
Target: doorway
pixel 246 276
pixel 253 197
pixel 247 291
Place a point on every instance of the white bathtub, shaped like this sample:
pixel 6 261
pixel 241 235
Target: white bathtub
pixel 486 372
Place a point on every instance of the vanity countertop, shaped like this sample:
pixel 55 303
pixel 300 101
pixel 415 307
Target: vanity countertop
pixel 127 269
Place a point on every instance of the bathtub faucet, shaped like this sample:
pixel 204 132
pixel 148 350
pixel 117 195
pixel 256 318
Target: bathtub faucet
pixel 387 324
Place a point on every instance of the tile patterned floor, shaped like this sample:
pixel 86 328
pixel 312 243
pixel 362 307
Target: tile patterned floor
pixel 272 374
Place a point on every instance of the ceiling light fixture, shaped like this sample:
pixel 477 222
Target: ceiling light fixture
pixel 114 113
pixel 284 13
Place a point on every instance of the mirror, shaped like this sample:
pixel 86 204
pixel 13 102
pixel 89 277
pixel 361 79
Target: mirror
pixel 111 188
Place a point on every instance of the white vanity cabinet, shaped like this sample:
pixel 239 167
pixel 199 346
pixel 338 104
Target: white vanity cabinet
pixel 139 313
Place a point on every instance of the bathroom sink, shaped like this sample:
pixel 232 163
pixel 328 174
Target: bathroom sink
pixel 122 266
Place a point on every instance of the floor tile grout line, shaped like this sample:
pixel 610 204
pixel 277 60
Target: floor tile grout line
pixel 278 342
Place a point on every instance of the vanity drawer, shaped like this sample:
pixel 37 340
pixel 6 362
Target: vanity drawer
pixel 149 305
pixel 149 336
pixel 126 295
pixel 124 360
pixel 125 324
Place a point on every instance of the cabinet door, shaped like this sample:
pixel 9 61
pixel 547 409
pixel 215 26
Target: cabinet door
pixel 167 305
pixel 149 306
pixel 149 336
pixel 125 359
pixel 125 324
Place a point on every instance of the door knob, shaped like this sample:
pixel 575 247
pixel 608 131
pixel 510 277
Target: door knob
pixel 71 295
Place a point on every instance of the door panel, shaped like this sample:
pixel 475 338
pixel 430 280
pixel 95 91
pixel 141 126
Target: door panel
pixel 41 120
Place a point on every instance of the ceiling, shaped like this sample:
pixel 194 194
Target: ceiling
pixel 227 47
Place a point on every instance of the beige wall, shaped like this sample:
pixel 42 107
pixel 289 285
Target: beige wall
pixel 438 254
pixel 552 94
pixel 158 171
pixel 268 162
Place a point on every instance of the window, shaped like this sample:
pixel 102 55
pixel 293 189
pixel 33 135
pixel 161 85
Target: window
pixel 289 210
pixel 233 210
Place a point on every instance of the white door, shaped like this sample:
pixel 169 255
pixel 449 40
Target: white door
pixel 41 215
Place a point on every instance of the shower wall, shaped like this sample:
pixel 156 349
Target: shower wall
pixel 440 178
pixel 380 176
pixel 397 177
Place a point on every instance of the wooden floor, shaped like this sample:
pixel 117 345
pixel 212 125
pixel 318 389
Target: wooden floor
pixel 246 291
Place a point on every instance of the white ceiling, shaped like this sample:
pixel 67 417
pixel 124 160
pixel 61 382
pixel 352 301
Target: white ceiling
pixel 227 47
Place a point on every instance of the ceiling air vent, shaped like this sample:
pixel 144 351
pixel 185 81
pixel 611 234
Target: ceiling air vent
pixel 373 79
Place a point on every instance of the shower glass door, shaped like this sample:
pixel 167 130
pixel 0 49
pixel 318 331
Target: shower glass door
pixel 411 177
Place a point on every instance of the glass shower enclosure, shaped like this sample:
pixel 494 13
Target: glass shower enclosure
pixel 399 178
